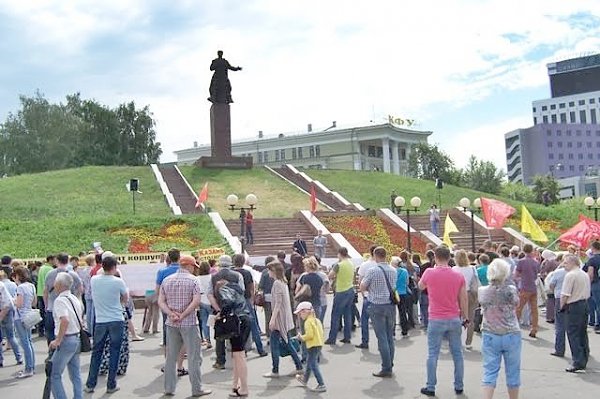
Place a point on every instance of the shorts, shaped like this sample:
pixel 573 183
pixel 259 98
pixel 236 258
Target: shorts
pixel 238 344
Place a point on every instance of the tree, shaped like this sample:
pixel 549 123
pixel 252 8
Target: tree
pixel 546 184
pixel 518 192
pixel 483 176
pixel 429 162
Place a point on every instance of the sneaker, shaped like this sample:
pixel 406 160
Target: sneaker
pixel 112 390
pixel 271 375
pixel 468 347
pixel 362 346
pixel 427 392
pixel 319 388
pixel 219 366
pixel 263 354
pixel 300 379
pixel 329 342
pixel 345 341
pixel 87 389
pixel 24 374
pixel 19 362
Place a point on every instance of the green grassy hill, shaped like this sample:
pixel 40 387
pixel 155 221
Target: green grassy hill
pixel 67 210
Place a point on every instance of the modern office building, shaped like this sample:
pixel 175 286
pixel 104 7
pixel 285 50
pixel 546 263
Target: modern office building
pixel 384 147
pixel 565 137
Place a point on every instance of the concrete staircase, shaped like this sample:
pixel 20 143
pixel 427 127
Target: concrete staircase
pixel 273 235
pixel 178 186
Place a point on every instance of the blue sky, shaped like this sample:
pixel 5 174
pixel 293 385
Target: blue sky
pixel 466 70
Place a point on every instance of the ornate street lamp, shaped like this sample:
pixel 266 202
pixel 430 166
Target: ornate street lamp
pixel 592 204
pixel 251 201
pixel 465 204
pixel 400 203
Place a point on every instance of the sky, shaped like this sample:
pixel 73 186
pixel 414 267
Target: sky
pixel 467 70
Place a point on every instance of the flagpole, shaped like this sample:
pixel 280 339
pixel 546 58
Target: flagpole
pixel 552 243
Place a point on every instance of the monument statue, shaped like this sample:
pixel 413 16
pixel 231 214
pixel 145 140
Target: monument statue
pixel 220 87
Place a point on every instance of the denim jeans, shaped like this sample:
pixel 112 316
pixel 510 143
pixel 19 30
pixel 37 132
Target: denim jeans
pixel 42 309
pixel 322 312
pixel 424 305
pixel 559 325
pixel 8 332
pixel 176 338
pixel 596 299
pixel 204 312
pixel 364 322
pixel 49 327
pixel 274 339
pixel 66 355
pixel 312 365
pixel 405 301
pixel 90 315
pixel 576 323
pixel 343 306
pixel 254 328
pixel 114 331
pixel 24 335
pixel 436 331
pixel 384 323
pixel 494 348
pixel 435 227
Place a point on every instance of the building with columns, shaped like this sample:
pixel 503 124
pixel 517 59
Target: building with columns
pixel 385 147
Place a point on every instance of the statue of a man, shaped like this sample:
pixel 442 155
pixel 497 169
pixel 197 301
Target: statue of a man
pixel 220 88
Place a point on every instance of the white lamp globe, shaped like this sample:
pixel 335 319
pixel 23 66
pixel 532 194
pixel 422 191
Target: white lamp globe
pixel 399 201
pixel 251 199
pixel 588 201
pixel 232 199
pixel 477 202
pixel 464 202
pixel 415 202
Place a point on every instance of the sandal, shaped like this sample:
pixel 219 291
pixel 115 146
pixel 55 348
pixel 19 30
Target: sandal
pixel 182 372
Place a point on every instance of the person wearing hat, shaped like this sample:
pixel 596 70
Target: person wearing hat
pixel 313 338
pixel 179 298
pixel 549 265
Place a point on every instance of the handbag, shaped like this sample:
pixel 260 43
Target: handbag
pixel 284 349
pixel 305 293
pixel 84 336
pixel 394 297
pixel 30 319
pixel 259 299
pixel 227 327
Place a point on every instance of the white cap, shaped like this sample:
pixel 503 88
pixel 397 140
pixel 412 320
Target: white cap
pixel 515 248
pixel 303 306
pixel 548 255
pixel 106 254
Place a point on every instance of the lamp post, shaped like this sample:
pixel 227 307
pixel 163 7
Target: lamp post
pixel 251 201
pixel 465 204
pixel 592 204
pixel 400 203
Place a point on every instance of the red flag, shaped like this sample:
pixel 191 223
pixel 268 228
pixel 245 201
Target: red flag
pixel 582 233
pixel 203 196
pixel 495 212
pixel 313 198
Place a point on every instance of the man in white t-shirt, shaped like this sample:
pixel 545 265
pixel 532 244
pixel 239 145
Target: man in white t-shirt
pixel 364 315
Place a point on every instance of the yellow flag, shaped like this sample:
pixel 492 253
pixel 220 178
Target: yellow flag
pixel 449 227
pixel 529 225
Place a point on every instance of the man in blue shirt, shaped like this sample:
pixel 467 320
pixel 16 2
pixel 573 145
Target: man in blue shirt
pixel 405 298
pixel 591 267
pixel 171 267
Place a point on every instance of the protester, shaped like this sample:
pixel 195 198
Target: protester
pixel 23 303
pixel 380 282
pixel 472 283
pixel 264 286
pixel 179 298
pixel 40 284
pixel 404 293
pixel 549 264
pixel 434 219
pixel 299 246
pixel 363 269
pixel 7 307
pixel 501 334
pixel 249 226
pixel 89 310
pixel 171 267
pixel 282 321
pixel 424 295
pixel 320 243
pixel 313 338
pixel 592 268
pixel 109 293
pixel 205 309
pixel 573 302
pixel 555 283
pixel 312 279
pixel 67 312
pixel 343 274
pixel 527 273
pixel 447 305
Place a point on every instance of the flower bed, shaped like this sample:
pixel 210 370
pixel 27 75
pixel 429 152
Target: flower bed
pixel 364 231
pixel 143 240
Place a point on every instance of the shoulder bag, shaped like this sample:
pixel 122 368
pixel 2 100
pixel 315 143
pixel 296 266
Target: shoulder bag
pixel 84 336
pixel 394 297
pixel 31 318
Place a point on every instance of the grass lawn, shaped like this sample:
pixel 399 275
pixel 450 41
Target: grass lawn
pixel 373 190
pixel 276 198
pixel 70 209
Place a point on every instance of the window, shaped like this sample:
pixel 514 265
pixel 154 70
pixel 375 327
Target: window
pixel 559 144
pixel 569 145
pixel 533 109
pixel 549 144
pixel 563 117
pixel 593 116
pixel 561 156
pixel 544 108
pixel 276 155
pixel 553 118
pixel 559 133
pixel 581 168
pixel 579 144
pixel 318 150
pixel 581 102
pixel 266 156
pixel 561 105
pixel 569 133
pixel 582 118
pixel 590 189
pixel 571 156
pixel 551 156
pixel 371 151
pixel 545 119
pixel 572 117
pixel 283 155
pixel 293 153
pixel 260 155
pixel 572 104
pixel 580 156
pixel 572 168
pixel 592 101
pixel 552 106
pixel 402 154
pixel 590 155
pixel 379 152
pixel 300 152
pixel 311 151
pixel 535 120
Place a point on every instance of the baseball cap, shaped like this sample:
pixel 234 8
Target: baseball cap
pixel 106 254
pixel 548 255
pixel 225 261
pixel 187 260
pixel 515 248
pixel 303 306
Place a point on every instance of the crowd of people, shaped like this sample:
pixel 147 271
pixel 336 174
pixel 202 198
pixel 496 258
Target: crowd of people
pixel 495 292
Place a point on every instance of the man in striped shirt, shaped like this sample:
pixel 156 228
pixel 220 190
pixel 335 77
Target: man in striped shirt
pixel 179 299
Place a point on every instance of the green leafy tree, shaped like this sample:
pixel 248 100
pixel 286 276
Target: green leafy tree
pixel 546 184
pixel 483 176
pixel 428 162
pixel 518 192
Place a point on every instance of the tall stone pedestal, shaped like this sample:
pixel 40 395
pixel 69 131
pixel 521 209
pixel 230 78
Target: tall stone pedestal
pixel 220 138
